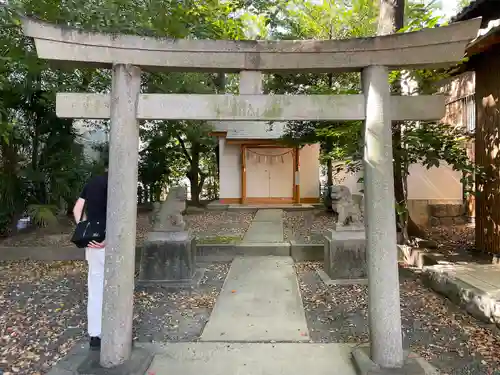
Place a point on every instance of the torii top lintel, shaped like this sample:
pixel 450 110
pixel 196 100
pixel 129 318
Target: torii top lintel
pixel 435 47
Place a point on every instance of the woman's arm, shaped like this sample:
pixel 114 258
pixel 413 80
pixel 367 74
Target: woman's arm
pixel 78 213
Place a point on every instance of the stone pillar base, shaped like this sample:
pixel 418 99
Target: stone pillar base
pixel 138 364
pixel 168 259
pixel 345 253
pixel 414 364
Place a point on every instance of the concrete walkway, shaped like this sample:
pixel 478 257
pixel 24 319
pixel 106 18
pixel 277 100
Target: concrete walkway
pixel 260 301
pixel 266 227
pixel 253 359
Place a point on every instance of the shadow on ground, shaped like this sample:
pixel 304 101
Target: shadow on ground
pixel 433 327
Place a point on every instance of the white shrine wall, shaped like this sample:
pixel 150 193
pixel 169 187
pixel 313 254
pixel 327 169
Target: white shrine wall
pixel 425 187
pixel 309 167
pixel 230 172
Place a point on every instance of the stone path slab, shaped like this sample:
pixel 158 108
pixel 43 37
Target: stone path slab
pixel 266 226
pixel 269 215
pixel 253 359
pixel 260 301
pixel 207 358
pixel 476 287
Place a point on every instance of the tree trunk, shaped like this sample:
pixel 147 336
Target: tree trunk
pixel 391 17
pixel 217 171
pixel 400 193
pixel 194 175
pixel 390 21
pixel 220 84
pixel 11 208
pixel 329 172
pixel 329 164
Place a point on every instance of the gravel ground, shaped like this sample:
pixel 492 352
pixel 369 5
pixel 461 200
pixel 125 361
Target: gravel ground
pixel 60 234
pixel 436 329
pixel 453 238
pixel 212 226
pixel 307 226
pixel 43 308
pixel 207 224
pixel 457 244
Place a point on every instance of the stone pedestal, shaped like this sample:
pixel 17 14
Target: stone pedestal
pixel 412 364
pixel 169 259
pixel 345 253
pixel 138 363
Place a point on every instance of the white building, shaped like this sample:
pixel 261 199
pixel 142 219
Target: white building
pixel 256 168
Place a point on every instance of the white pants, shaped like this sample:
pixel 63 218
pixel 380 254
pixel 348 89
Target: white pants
pixel 95 282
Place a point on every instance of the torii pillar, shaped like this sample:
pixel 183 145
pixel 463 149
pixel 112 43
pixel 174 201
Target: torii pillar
pixel 118 299
pixel 380 221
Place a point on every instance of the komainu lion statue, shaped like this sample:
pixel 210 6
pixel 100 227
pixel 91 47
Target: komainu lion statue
pixel 348 212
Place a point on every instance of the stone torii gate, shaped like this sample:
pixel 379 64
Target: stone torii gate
pixel 374 57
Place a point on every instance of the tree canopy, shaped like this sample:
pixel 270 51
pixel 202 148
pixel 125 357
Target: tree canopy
pixel 42 158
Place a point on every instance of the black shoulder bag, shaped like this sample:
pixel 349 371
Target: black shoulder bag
pixel 87 231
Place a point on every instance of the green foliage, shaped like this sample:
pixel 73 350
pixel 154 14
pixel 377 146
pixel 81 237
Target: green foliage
pixel 42 214
pixel 43 151
pixel 325 20
pixel 42 168
pixel 425 143
pixel 431 143
pixel 41 160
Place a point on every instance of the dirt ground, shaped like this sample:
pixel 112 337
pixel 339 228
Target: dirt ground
pixel 433 327
pixel 457 244
pixel 43 312
pixel 42 305
pixel 207 226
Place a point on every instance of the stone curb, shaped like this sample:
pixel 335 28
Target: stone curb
pixel 476 302
pixel 42 253
pixel 227 252
pixel 300 252
pixel 417 257
pixel 214 252
pixel 330 282
pixel 307 252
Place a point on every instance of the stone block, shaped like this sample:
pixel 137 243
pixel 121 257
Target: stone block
pixel 413 364
pixel 415 257
pixel 459 220
pixel 448 220
pixel 446 210
pixel 168 258
pixel 426 243
pixel 481 303
pixel 345 254
pixel 434 221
